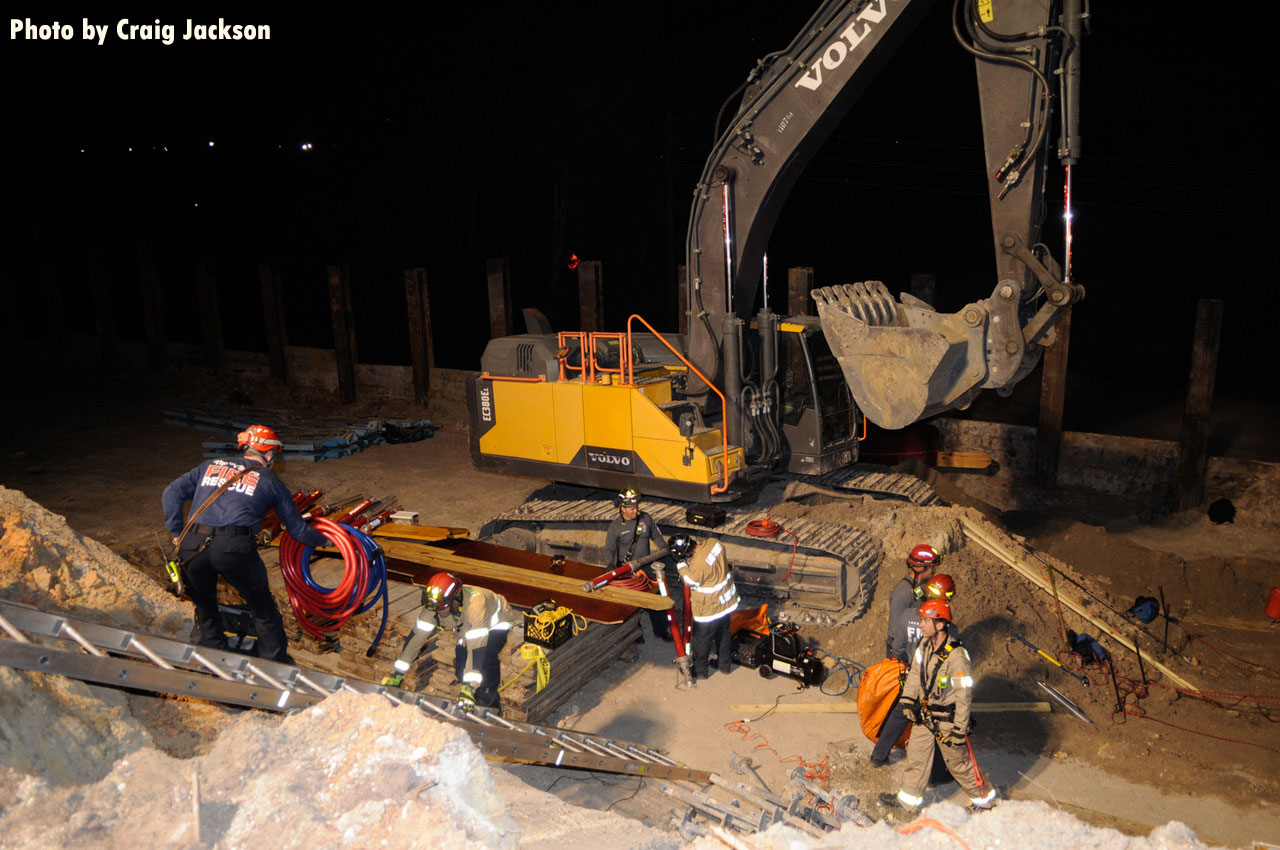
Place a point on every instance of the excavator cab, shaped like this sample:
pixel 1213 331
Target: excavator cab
pixel 818 415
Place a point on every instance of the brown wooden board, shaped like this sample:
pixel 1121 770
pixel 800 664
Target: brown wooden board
pixel 500 563
pixel 522 596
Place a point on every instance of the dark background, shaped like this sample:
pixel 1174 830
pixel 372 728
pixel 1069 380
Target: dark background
pixel 447 135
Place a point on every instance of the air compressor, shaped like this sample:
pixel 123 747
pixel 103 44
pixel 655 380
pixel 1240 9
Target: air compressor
pixel 780 650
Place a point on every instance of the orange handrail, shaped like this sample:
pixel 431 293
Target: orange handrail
pixel 624 356
pixel 724 405
pixel 562 345
pixel 535 380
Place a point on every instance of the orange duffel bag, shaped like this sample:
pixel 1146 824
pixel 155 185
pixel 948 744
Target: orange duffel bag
pixel 879 690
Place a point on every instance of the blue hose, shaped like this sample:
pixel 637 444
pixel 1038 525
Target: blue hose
pixel 851 669
pixel 377 586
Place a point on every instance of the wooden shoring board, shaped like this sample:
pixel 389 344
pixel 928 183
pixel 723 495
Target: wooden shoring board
pixel 993 545
pixel 428 533
pixel 517 592
pixel 534 571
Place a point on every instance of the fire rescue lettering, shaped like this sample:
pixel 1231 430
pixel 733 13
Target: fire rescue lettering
pixel 214 476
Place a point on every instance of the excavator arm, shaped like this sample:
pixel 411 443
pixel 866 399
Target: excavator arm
pixel 903 361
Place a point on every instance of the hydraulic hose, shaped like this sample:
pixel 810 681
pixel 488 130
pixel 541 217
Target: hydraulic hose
pixel 321 611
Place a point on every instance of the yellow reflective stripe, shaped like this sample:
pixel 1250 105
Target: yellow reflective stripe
pixel 401 666
pixel 473 677
pixel 423 626
pixel 964 682
pixel 475 633
pixel 700 589
pixel 909 800
pixel 982 801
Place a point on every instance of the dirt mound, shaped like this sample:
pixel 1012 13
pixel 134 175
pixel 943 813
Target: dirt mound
pixel 354 770
pixel 45 564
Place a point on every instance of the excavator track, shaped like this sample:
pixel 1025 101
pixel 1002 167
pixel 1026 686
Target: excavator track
pixel 832 569
pixel 875 482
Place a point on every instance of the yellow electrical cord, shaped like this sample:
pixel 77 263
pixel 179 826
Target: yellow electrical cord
pixel 542 628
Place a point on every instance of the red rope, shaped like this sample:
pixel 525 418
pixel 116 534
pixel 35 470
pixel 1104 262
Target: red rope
pixel 1245 664
pixel 1146 716
pixel 817 771
pixel 768 528
pixel 921 823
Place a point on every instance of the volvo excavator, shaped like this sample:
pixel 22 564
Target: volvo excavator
pixel 714 416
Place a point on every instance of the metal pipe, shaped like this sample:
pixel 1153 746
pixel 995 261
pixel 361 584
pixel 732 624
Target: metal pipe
pixel 730 338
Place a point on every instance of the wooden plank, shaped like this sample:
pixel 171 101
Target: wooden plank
pixel 1053 395
pixel 752 709
pixel 418 313
pixel 498 280
pixel 427 533
pixel 1193 443
pixel 963 460
pixel 513 586
pixel 799 285
pixel 523 567
pixel 273 318
pixel 211 343
pixel 590 296
pixel 344 331
pixel 984 538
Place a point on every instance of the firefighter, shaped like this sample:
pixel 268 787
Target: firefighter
pixel 904 633
pixel 713 597
pixel 481 619
pixel 224 543
pixel 628 538
pixel 938 697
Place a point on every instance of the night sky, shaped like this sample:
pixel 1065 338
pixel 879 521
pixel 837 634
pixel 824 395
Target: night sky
pixel 536 131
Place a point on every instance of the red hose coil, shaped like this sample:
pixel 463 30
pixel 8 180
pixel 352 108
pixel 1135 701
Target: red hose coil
pixel 768 528
pixel 321 614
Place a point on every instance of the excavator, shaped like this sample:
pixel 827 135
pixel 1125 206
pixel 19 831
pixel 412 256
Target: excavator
pixel 716 416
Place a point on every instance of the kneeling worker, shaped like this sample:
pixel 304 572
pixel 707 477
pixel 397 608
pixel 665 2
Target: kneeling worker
pixel 937 697
pixel 480 618
pixel 713 597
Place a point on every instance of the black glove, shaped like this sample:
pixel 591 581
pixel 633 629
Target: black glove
pixel 911 710
pixel 952 739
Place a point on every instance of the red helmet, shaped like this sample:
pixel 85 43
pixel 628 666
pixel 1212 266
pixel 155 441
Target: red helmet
pixel 259 438
pixel 941 586
pixel 935 609
pixel 441 591
pixel 924 556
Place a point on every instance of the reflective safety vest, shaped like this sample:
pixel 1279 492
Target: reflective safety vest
pixel 712 592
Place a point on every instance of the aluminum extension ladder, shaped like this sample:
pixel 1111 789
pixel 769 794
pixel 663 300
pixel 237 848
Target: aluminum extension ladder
pixel 116 657
pixel 121 658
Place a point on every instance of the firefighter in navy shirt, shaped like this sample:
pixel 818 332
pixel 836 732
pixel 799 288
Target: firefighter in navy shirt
pixel 224 543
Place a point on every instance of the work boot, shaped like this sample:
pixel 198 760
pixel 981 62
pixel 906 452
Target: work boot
pixel 875 762
pixel 974 808
pixel 897 809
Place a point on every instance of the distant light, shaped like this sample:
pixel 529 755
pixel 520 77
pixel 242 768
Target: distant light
pixel 195 205
pixel 130 150
pixel 166 150
pixel 306 146
pixel 211 144
pixel 82 150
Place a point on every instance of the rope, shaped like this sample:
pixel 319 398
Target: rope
pixel 768 528
pixel 321 611
pixel 818 771
pixel 1245 664
pixel 921 823
pixel 534 653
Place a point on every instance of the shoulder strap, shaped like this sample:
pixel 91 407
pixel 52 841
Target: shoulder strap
pixel 635 529
pixel 213 497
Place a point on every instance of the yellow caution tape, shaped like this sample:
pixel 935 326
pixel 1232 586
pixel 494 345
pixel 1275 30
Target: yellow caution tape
pixel 534 653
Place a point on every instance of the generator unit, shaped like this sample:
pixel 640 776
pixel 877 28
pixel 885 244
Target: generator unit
pixel 778 651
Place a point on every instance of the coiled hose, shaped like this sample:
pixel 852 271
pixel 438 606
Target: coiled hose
pixel 321 611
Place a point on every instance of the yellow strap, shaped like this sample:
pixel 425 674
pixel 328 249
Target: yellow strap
pixel 534 653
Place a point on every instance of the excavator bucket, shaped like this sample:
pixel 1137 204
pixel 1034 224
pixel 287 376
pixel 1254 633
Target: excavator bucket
pixel 903 361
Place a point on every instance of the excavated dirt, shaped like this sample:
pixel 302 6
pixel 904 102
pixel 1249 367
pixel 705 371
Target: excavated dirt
pixel 124 762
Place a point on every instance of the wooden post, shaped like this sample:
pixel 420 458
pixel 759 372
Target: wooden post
pixel 682 299
pixel 100 291
pixel 1193 444
pixel 799 285
pixel 344 331
pixel 273 319
pixel 152 306
pixel 1053 394
pixel 924 287
pixel 421 351
pixel 210 317
pixel 590 295
pixel 498 272
pixel 55 321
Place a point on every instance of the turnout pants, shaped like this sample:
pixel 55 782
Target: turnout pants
pixel 490 667
pixel 921 749
pixel 233 557
pixel 705 636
